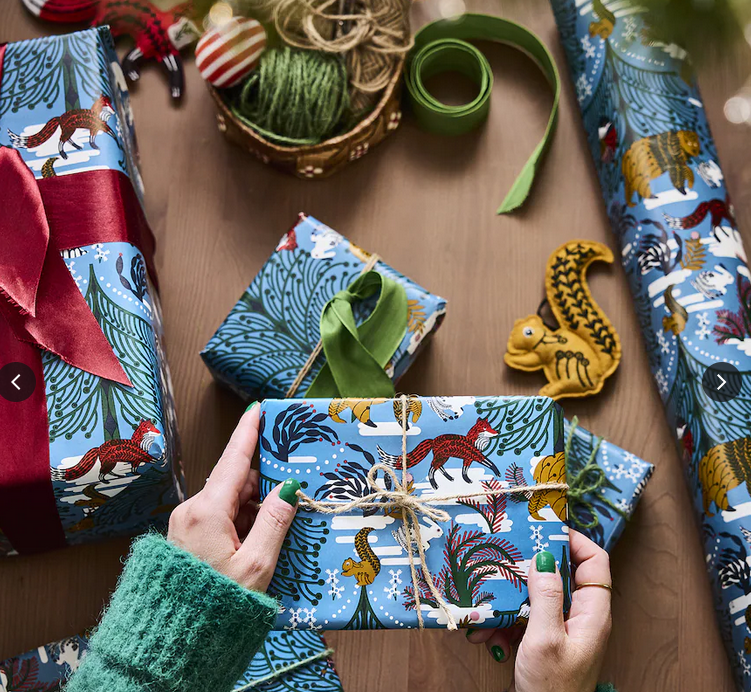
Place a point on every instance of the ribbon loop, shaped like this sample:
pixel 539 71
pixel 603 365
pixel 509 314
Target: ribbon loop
pixel 53 314
pixel 357 355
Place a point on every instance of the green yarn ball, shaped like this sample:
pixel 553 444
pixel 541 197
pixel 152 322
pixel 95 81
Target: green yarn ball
pixel 295 97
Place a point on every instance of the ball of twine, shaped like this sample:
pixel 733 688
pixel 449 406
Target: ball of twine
pixel 372 35
pixel 295 97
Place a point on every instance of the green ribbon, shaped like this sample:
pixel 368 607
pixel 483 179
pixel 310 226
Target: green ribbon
pixel 591 479
pixel 442 47
pixel 357 355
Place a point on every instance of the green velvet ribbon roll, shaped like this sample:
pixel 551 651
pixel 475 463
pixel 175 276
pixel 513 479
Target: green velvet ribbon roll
pixel 442 47
pixel 357 355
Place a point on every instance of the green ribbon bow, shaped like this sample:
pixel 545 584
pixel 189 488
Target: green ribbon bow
pixel 357 355
pixel 442 47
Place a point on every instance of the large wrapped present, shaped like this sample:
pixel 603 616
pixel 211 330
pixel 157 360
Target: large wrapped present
pixel 88 442
pixel 606 485
pixel 462 514
pixel 272 345
pixel 287 661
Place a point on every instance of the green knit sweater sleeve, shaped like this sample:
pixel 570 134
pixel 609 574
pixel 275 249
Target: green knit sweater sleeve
pixel 605 687
pixel 173 624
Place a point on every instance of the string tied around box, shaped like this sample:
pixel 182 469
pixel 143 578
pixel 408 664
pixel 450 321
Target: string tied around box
pixel 399 499
pixel 589 480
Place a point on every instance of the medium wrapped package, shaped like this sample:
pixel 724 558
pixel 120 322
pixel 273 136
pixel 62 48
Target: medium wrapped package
pixel 287 661
pixel 606 482
pixel 686 265
pixel 286 335
pixel 483 482
pixel 88 441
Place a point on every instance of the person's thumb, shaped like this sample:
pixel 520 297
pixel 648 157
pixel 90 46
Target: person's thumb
pixel 258 555
pixel 545 600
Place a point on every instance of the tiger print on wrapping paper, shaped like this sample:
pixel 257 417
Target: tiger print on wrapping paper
pixel 648 158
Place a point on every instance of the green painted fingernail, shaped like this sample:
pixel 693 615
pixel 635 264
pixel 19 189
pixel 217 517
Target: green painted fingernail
pixel 545 562
pixel 288 491
pixel 252 404
pixel 498 653
pixel 470 631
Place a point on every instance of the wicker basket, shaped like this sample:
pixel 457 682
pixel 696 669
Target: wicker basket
pixel 318 160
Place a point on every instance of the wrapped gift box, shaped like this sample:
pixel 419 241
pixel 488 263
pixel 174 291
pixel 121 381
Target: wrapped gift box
pixel 268 336
pixel 351 571
pixel 278 667
pixel 93 451
pixel 609 507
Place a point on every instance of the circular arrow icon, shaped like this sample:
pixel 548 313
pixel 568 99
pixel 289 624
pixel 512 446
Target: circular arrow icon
pixel 722 382
pixel 17 382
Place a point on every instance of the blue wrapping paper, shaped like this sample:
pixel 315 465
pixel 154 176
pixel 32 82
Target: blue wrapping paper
pixel 42 79
pixel 686 265
pixel 352 571
pixel 627 476
pixel 46 668
pixel 266 339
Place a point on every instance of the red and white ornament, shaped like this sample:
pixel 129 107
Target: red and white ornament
pixel 63 10
pixel 227 53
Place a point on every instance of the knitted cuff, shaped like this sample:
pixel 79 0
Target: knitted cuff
pixel 174 624
pixel 605 687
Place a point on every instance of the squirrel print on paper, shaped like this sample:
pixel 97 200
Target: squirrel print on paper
pixel 134 451
pixel 467 447
pixel 724 467
pixel 585 349
pixel 648 158
pixel 93 119
pixel 366 570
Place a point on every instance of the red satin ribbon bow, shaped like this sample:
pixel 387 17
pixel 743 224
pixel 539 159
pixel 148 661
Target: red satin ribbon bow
pixel 41 307
pixel 38 297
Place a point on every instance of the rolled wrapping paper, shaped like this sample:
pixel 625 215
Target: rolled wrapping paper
pixel 686 265
pixel 442 46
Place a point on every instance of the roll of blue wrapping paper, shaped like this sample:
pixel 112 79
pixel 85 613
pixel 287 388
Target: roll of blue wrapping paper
pixel 686 265
pixel 442 46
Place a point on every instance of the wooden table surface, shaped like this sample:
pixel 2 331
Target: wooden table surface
pixel 426 204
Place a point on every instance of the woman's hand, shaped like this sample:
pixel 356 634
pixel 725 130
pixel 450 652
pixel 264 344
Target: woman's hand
pixel 556 655
pixel 223 525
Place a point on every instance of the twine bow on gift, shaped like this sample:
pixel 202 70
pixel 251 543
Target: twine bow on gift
pixel 589 481
pixel 400 500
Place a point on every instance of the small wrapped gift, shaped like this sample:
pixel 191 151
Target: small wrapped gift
pixel 88 441
pixel 606 485
pixel 437 484
pixel 322 318
pixel 287 661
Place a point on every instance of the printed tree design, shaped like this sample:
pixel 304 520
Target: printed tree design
pixel 523 423
pixel 493 510
pixel 294 426
pixel 708 422
pixel 38 71
pixel 349 481
pixel 298 572
pixel 275 324
pixel 470 558
pixel 22 675
pixel 80 402
pixel 283 649
pixel 365 617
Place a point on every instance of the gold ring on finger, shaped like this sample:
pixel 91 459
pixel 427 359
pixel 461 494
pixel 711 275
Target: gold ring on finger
pixel 609 587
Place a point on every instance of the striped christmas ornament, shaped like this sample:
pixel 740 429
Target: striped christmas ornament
pixel 63 10
pixel 226 54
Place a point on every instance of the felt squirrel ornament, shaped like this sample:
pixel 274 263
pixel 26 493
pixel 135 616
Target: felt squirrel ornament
pixel 158 34
pixel 580 354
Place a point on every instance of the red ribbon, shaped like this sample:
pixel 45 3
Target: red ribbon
pixel 41 307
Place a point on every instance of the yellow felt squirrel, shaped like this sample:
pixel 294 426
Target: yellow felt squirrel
pixel 578 356
pixel 369 566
